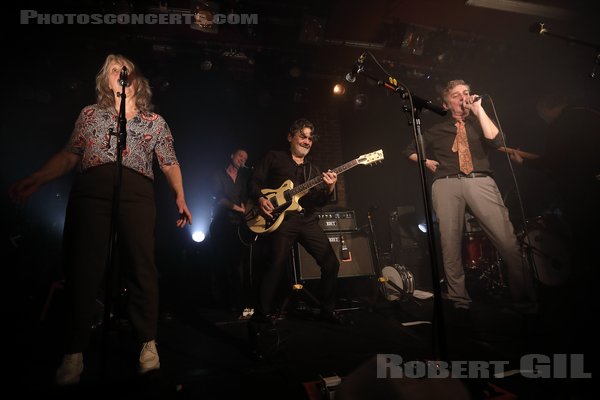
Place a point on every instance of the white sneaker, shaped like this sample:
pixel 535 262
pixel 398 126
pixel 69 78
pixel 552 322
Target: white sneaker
pixel 149 357
pixel 70 370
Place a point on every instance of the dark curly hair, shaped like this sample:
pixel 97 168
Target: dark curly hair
pixel 300 124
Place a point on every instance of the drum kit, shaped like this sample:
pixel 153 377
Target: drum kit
pixel 481 261
pixel 542 241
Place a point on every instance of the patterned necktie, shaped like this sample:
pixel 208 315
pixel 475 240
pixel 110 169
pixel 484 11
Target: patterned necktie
pixel 462 146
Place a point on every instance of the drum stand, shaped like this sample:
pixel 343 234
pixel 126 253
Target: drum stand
pixel 493 276
pixel 404 296
pixel 528 254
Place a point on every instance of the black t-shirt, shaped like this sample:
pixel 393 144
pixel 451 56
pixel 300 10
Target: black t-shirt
pixel 226 193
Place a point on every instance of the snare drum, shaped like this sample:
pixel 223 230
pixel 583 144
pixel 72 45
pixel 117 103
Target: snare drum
pixel 398 277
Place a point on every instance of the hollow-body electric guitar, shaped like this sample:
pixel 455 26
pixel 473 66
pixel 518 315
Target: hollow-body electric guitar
pixel 286 198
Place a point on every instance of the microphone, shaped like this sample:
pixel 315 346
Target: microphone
pixel 244 166
pixel 421 102
pixel 356 69
pixel 475 99
pixel 123 77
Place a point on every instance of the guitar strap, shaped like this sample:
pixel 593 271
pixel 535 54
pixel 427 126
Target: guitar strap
pixel 306 179
pixel 309 172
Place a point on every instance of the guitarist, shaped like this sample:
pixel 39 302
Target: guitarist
pixel 230 193
pixel 295 165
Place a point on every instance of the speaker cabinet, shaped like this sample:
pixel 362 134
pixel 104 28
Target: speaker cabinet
pixel 352 250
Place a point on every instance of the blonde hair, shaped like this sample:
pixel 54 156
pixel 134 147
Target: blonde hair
pixel 105 97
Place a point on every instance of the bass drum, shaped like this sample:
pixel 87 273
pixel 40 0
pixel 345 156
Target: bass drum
pixel 547 247
pixel 399 281
pixel 477 250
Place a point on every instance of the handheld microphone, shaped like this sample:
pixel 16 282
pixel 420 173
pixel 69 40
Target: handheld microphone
pixel 475 99
pixel 123 77
pixel 356 69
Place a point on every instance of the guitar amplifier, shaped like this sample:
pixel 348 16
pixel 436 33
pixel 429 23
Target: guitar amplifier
pixel 352 250
pixel 337 221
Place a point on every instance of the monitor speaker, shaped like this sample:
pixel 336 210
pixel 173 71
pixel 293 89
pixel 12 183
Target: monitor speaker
pixel 352 250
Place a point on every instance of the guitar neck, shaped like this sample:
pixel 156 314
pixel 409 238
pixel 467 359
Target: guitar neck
pixel 315 181
pixel 523 154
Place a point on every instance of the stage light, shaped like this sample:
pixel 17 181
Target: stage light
pixel 339 89
pixel 198 236
pixel 423 227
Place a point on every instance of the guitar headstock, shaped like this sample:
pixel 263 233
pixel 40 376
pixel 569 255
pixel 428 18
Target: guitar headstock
pixel 371 158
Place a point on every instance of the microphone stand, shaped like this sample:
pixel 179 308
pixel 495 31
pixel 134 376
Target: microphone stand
pixel 375 250
pixel 541 29
pixel 417 104
pixel 112 256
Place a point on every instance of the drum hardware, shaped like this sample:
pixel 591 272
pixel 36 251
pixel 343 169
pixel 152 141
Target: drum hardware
pixel 491 277
pixel 481 261
pixel 547 250
pixel 472 225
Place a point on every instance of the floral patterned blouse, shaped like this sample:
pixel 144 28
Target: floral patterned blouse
pixel 147 134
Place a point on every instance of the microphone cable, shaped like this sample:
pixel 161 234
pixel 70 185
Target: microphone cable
pixel 526 247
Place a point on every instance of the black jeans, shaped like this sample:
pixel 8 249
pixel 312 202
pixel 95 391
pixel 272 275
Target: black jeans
pixel 86 235
pixel 306 231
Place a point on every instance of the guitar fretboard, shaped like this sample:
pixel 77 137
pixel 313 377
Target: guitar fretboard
pixel 315 181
